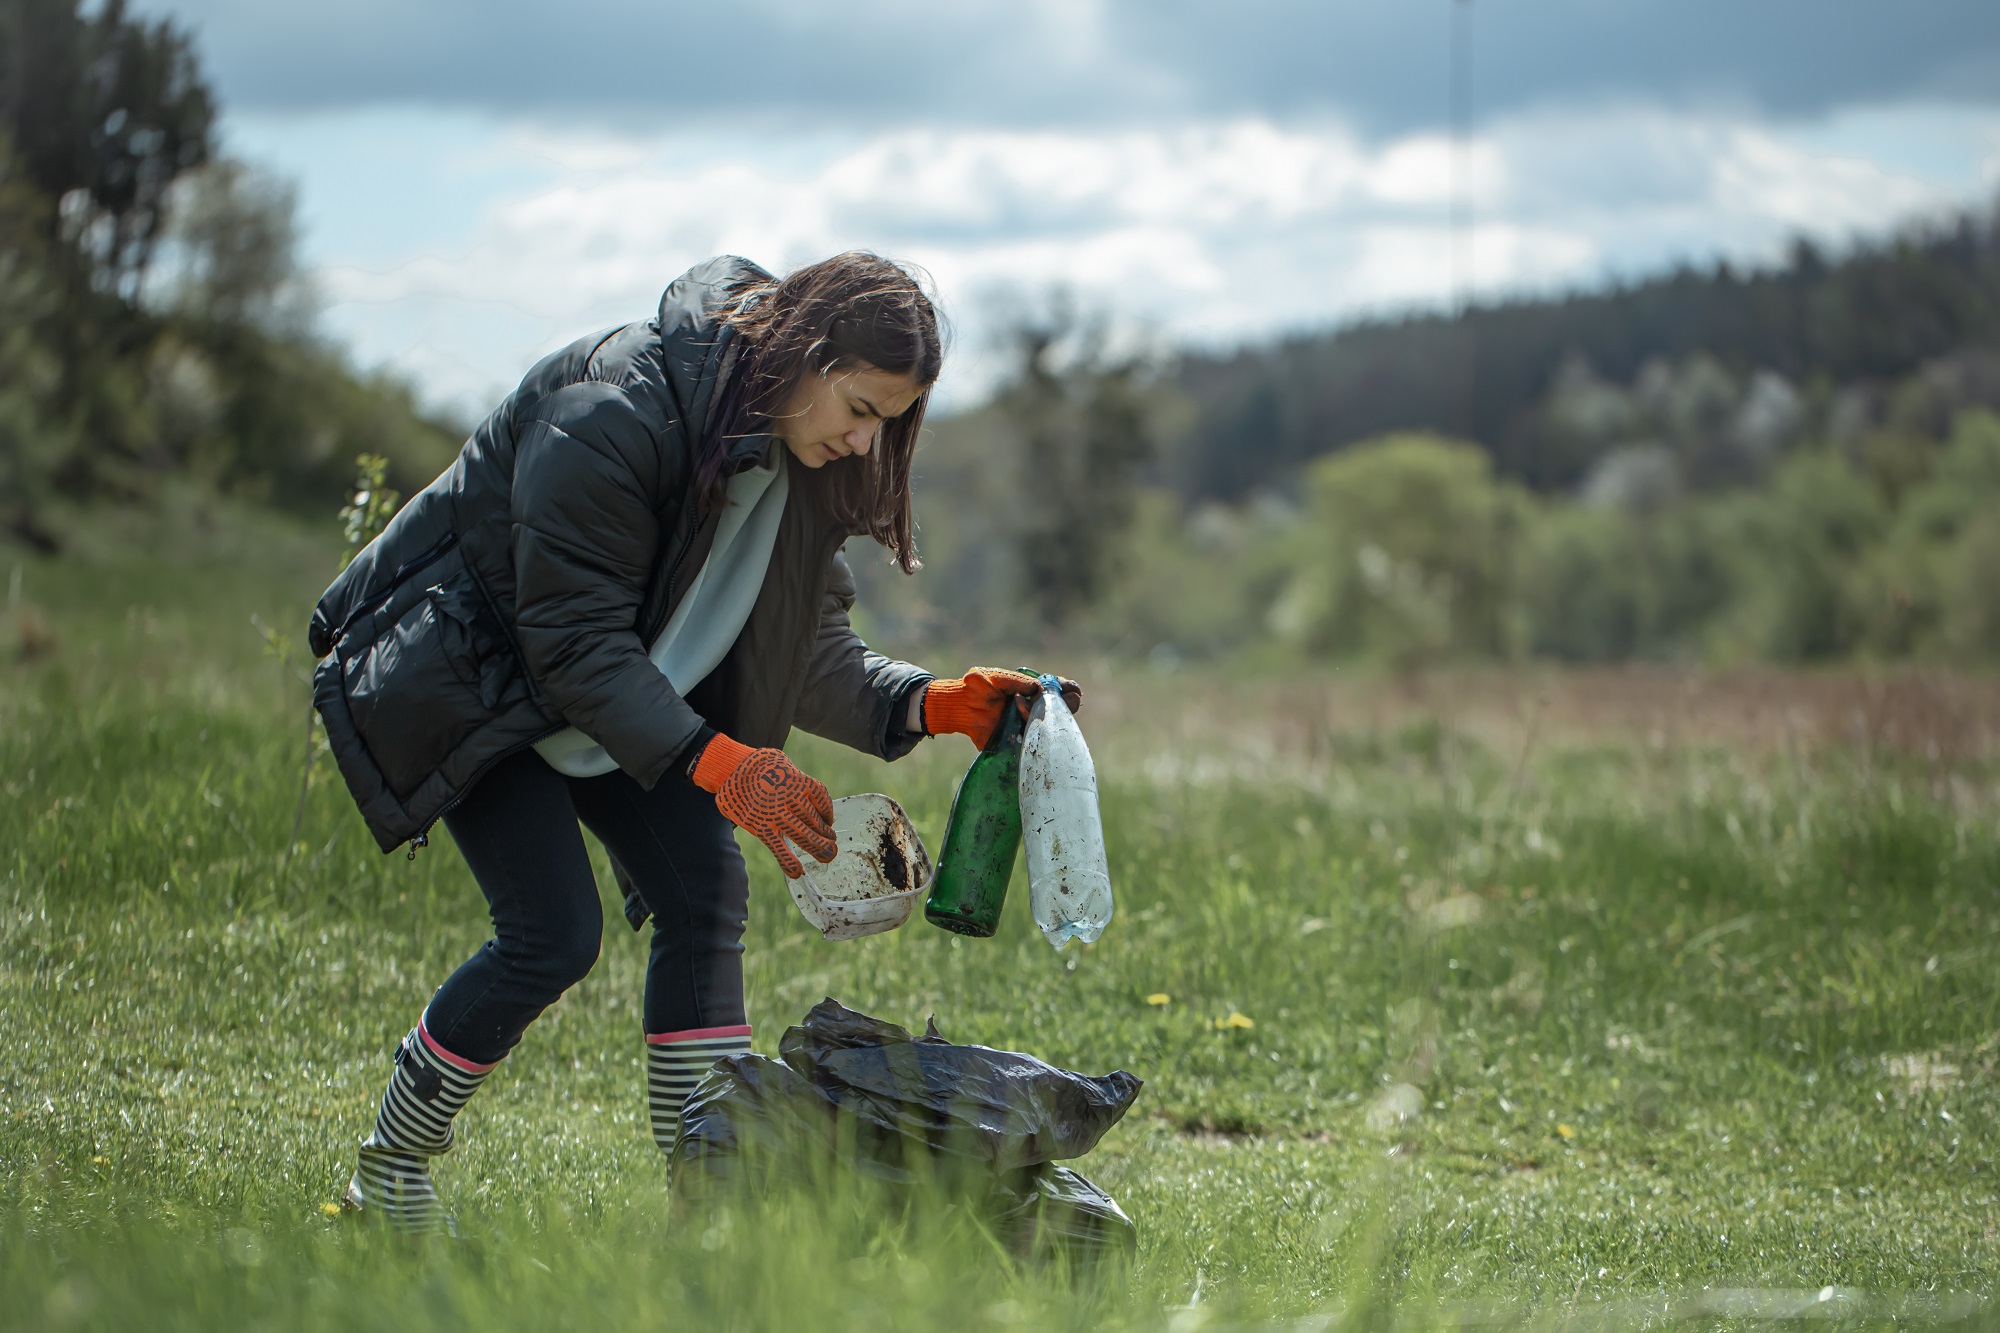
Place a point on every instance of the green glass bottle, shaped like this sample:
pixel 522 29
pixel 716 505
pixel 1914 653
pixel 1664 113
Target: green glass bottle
pixel 982 837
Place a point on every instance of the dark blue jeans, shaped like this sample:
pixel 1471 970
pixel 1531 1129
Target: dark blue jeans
pixel 517 829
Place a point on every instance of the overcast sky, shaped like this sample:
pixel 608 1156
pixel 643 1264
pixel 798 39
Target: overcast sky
pixel 481 182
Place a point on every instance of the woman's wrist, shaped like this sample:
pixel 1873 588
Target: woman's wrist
pixel 691 753
pixel 720 758
pixel 913 720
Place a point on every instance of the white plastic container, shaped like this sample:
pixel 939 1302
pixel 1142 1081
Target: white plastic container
pixel 876 878
pixel 1069 884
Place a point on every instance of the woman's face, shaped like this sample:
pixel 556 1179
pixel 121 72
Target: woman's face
pixel 840 413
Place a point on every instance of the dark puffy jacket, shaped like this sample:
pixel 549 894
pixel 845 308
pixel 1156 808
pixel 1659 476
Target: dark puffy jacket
pixel 519 592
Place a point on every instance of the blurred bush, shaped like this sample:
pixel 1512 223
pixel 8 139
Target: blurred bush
pixel 1932 587
pixel 1078 419
pixel 1408 551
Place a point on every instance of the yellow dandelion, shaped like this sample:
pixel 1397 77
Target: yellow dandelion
pixel 329 1210
pixel 1234 1021
pixel 101 1161
pixel 1159 998
pixel 1566 1131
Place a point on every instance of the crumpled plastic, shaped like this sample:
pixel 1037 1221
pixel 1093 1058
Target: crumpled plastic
pixel 855 1092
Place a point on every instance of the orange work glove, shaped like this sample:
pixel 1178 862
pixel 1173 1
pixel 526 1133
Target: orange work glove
pixel 761 791
pixel 970 705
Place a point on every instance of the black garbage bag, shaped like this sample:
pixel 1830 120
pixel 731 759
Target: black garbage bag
pixel 851 1092
pixel 1048 1210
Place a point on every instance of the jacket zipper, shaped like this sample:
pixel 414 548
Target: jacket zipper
pixel 422 838
pixel 414 565
pixel 673 581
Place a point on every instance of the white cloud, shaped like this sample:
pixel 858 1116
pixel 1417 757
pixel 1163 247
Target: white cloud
pixel 1204 231
pixel 1761 176
pixel 1427 169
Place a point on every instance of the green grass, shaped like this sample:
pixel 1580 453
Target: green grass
pixel 1580 1031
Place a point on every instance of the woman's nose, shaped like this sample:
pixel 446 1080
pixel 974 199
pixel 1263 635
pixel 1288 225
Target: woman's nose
pixel 861 439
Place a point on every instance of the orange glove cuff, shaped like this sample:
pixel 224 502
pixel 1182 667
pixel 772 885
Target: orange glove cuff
pixel 763 793
pixel 719 758
pixel 970 705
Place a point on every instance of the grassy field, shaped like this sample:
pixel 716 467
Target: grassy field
pixel 1618 1000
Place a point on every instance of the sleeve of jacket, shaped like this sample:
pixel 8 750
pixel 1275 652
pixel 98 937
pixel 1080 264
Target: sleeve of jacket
pixel 853 694
pixel 585 534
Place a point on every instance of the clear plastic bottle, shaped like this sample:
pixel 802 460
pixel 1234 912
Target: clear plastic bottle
pixel 1069 885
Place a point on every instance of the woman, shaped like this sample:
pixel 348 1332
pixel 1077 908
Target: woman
pixel 611 610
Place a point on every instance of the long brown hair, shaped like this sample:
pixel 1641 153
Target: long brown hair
pixel 855 309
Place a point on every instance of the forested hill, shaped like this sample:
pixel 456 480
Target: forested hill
pixel 1825 340
pixel 153 318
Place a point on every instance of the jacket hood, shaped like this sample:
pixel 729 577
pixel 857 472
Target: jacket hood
pixel 693 303
pixel 698 350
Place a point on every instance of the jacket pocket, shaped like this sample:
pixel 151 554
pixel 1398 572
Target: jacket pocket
pixel 473 642
pixel 423 670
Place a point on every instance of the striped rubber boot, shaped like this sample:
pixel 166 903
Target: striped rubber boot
pixel 675 1062
pixel 426 1089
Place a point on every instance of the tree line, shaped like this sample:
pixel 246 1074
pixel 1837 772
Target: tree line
pixel 1868 318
